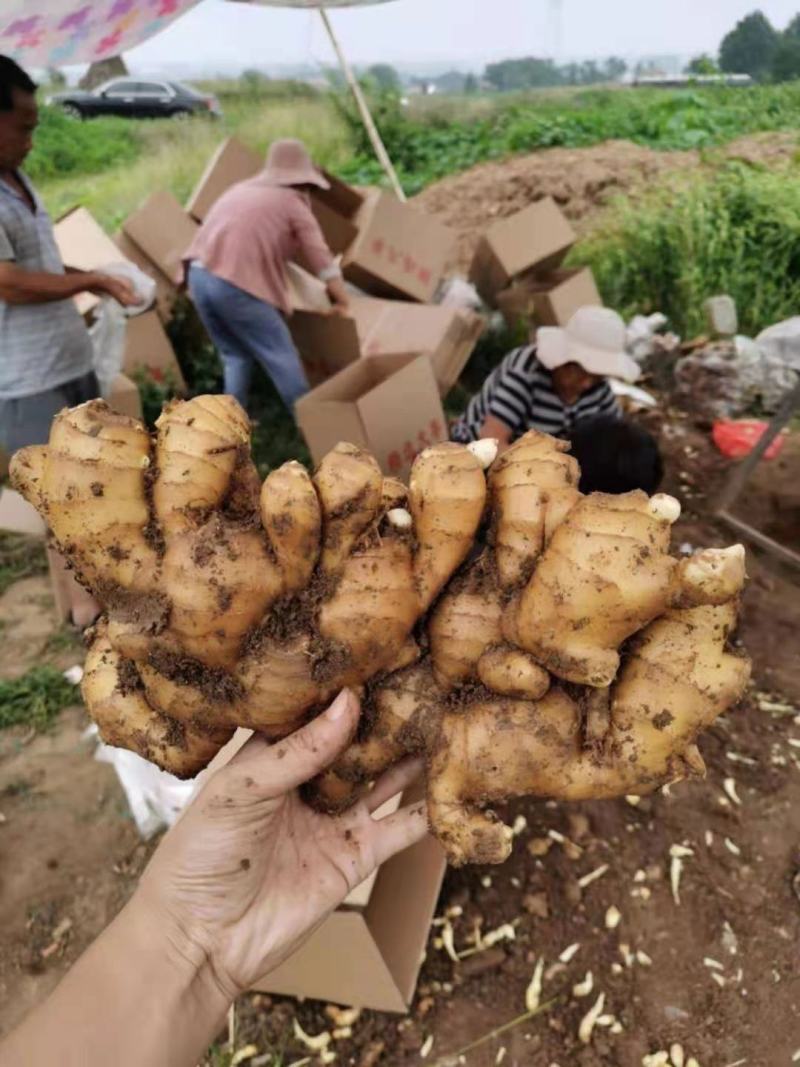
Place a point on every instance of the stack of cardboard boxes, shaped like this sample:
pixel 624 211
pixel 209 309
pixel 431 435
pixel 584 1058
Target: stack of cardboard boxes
pixel 518 268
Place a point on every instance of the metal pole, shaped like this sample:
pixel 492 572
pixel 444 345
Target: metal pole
pixel 741 476
pixel 363 107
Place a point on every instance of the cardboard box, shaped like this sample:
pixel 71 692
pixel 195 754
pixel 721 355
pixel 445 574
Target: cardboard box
pixel 166 291
pixel 399 252
pixel 368 953
pixel 560 294
pixel 18 516
pixel 339 232
pixel 124 397
pixel 343 199
pixel 387 404
pixel 551 299
pixel 537 238
pixel 84 245
pixel 147 345
pixel 446 334
pixel 328 343
pixel 163 231
pixel 231 163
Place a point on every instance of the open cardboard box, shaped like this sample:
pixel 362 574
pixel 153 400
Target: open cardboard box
pixel 328 343
pixel 399 252
pixel 231 163
pixel 368 953
pixel 336 209
pixel 551 299
pixel 537 238
pixel 147 345
pixel 389 405
pixel 84 245
pixel 163 231
pixel 446 334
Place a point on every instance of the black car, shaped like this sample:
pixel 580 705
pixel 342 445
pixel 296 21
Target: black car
pixel 137 100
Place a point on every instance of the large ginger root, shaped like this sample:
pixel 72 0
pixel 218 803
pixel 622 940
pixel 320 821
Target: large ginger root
pixel 521 693
pixel 570 657
pixel 675 682
pixel 228 603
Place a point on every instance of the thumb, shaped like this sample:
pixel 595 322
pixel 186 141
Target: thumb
pixel 299 757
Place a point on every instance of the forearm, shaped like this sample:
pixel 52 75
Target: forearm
pixel 40 287
pixel 134 999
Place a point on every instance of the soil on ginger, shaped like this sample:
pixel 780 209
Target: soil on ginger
pixel 69 858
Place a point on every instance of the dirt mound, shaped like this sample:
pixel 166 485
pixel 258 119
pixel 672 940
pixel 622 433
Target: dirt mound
pixel 581 180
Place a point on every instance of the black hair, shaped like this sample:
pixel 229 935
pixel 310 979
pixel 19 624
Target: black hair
pixel 12 77
pixel 616 456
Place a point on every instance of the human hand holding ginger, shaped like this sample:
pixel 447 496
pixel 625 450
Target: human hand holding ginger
pixel 251 870
pixel 235 887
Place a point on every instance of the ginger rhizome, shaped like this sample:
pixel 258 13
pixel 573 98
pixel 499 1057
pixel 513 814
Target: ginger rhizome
pixel 521 691
pixel 231 604
pixel 525 639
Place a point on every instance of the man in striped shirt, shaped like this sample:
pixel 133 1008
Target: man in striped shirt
pixel 554 384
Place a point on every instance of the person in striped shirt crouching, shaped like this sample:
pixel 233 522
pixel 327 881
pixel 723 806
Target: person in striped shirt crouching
pixel 554 384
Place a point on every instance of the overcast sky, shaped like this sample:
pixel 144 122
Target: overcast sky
pixel 217 32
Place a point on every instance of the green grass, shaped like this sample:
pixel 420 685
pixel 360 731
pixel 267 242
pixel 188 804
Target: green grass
pixel 20 557
pixel 734 229
pixel 171 155
pixel 36 698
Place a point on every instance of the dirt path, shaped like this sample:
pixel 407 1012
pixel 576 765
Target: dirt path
pixel 716 972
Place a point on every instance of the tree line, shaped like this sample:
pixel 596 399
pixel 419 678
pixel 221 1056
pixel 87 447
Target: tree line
pixel 755 47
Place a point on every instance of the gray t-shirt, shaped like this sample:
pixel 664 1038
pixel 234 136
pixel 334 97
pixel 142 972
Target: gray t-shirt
pixel 41 345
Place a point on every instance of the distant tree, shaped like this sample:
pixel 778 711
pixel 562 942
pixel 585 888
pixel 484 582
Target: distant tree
pixel 793 29
pixel 703 64
pixel 527 73
pixel 750 47
pixel 252 80
pixel 471 84
pixel 384 76
pixel 453 81
pixel 786 61
pixel 614 69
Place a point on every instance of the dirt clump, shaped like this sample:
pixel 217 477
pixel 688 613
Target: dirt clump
pixel 582 181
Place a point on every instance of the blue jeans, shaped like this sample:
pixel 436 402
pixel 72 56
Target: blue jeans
pixel 247 330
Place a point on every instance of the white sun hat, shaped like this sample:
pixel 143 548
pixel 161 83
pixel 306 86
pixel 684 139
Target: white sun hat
pixel 595 338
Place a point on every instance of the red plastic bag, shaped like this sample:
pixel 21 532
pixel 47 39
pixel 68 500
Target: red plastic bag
pixel 737 439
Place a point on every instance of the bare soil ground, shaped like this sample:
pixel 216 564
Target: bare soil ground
pixel 583 181
pixel 716 972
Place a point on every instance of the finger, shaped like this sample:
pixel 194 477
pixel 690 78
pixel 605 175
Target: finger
pixel 393 782
pixel 276 769
pixel 399 831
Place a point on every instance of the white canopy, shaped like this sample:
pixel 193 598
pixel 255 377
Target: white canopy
pixel 56 33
